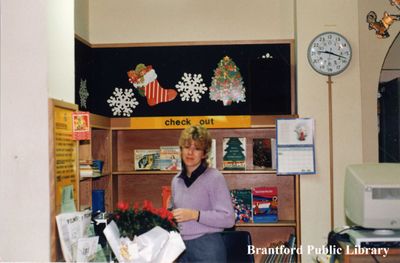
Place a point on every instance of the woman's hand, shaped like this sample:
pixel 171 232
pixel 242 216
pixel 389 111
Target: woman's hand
pixel 183 214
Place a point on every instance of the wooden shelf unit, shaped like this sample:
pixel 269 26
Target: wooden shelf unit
pixel 114 142
pixel 98 148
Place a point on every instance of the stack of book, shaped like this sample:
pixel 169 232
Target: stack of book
pixel 88 168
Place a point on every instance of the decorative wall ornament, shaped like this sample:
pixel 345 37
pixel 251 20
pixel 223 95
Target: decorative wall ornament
pixel 83 93
pixel 144 79
pixel 227 84
pixel 122 102
pixel 267 56
pixel 191 87
pixel 381 27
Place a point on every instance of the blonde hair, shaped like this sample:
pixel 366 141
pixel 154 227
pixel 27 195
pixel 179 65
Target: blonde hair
pixel 199 135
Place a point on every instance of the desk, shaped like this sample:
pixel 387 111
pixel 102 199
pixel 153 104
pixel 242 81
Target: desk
pixel 351 254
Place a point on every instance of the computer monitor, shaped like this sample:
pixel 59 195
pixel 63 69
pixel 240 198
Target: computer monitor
pixel 372 195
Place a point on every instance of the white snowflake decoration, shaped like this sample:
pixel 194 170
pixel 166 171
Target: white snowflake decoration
pixel 83 93
pixel 267 56
pixel 191 88
pixel 122 102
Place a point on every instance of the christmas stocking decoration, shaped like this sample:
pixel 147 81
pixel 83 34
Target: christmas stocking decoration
pixel 144 79
pixel 156 94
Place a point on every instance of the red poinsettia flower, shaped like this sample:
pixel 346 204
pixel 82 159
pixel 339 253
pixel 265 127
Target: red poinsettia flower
pixel 123 206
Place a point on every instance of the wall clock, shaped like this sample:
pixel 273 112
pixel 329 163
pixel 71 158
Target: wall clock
pixel 329 53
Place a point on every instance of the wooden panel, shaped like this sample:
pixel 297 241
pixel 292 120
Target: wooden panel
pixel 267 120
pixel 85 193
pixel 101 147
pixel 99 121
pixel 85 151
pixel 134 188
pixel 120 123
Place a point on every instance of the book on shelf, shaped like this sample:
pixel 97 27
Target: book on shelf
pixel 265 204
pixel 281 251
pixel 212 155
pixel 292 245
pixel 273 153
pixel 234 153
pixel 242 205
pixel 88 169
pixel 170 158
pixel 146 159
pixel 262 155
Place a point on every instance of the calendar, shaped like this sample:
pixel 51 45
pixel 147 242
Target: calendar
pixel 295 146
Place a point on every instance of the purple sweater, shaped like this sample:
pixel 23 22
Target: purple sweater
pixel 210 195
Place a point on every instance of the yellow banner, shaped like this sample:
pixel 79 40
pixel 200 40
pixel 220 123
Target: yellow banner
pixel 180 122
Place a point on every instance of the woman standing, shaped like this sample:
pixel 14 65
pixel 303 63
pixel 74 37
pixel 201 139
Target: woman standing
pixel 201 200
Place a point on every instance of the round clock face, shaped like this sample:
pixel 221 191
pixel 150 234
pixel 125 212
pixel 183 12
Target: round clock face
pixel 329 53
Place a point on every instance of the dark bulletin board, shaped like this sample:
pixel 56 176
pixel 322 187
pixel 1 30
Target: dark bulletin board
pixel 266 70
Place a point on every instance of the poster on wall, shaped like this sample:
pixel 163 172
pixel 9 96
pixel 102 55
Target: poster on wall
pixel 81 125
pixel 65 156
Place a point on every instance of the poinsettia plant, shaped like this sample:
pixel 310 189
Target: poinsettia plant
pixel 134 221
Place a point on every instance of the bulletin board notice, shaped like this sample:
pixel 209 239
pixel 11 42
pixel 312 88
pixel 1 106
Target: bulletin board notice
pixel 65 156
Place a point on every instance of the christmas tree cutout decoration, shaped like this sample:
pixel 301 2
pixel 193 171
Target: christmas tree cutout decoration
pixel 234 157
pixel 144 79
pixel 227 84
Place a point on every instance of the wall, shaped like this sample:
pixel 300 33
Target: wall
pixel 37 62
pixel 370 68
pixel 24 160
pixel 81 18
pixel 60 26
pixel 189 20
pixel 346 116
